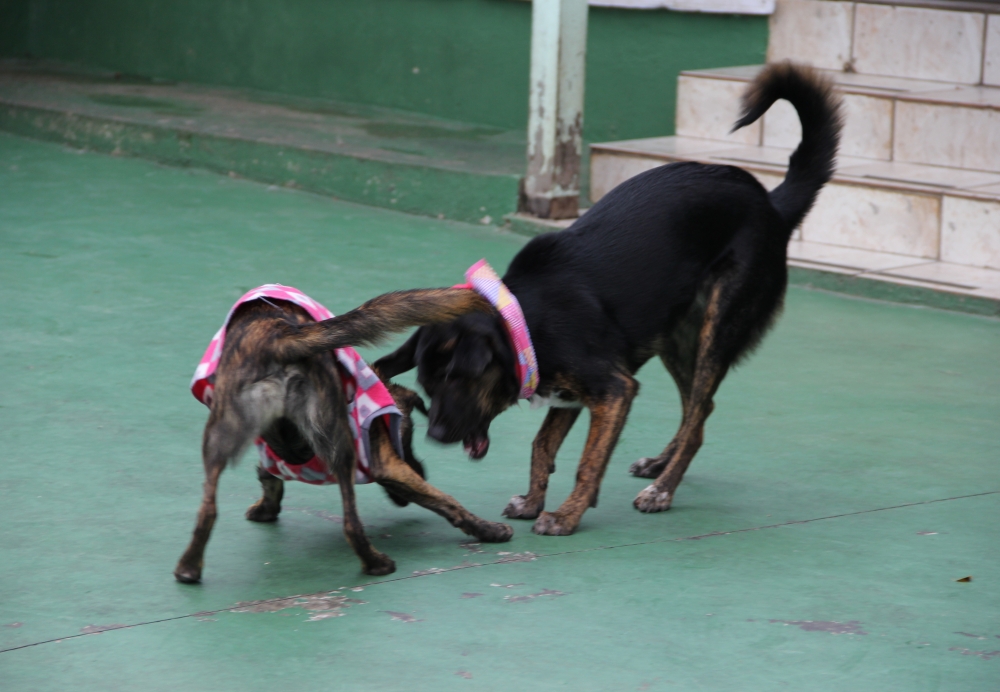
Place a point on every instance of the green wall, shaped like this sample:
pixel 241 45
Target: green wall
pixel 13 27
pixel 461 59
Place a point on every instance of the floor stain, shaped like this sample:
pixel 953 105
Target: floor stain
pixel 974 636
pixel 320 606
pixel 508 586
pixel 425 572
pixel 472 548
pixel 985 655
pixel 15 625
pixel 467 594
pixel 335 518
pixel 526 556
pixel 464 674
pixel 849 627
pixel 97 629
pixel 401 617
pixel 533 596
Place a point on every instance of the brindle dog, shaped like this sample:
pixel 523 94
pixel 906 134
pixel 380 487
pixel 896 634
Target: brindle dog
pixel 278 379
pixel 685 262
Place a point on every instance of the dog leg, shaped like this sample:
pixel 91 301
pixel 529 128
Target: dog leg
pixel 679 356
pixel 268 507
pixel 400 479
pixel 557 425
pixel 710 368
pixel 373 562
pixel 607 418
pixel 226 435
pixel 188 570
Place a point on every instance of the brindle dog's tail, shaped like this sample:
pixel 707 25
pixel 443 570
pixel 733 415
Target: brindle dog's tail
pixel 819 109
pixel 376 319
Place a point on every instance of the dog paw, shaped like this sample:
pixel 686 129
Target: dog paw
pixel 379 566
pixel 260 512
pixel 554 524
pixel 647 467
pixel 187 575
pixel 493 532
pixel 652 499
pixel 520 508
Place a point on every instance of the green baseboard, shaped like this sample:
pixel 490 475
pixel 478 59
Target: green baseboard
pixel 891 292
pixel 415 189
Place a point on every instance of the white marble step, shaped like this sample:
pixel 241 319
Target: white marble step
pixel 958 279
pixel 886 118
pixel 957 42
pixel 927 212
pixel 885 267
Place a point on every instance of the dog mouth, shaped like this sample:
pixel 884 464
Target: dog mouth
pixel 476 445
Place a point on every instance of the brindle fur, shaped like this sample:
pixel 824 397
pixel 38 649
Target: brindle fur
pixel 686 262
pixel 278 379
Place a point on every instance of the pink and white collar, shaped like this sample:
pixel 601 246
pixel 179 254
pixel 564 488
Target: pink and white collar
pixel 483 280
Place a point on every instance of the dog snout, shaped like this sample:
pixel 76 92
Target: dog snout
pixel 438 432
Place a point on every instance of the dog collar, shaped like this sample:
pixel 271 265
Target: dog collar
pixel 483 280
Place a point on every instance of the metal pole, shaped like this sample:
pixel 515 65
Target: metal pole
pixel 551 189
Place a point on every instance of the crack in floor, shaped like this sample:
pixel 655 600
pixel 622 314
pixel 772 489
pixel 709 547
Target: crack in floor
pixel 507 560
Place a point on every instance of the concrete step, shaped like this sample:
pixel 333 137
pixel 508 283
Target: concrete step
pixel 943 41
pixel 954 279
pixel 374 156
pixel 886 118
pixel 909 209
pixel 918 215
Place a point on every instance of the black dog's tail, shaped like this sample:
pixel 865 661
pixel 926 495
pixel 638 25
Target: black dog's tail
pixel 387 314
pixel 811 165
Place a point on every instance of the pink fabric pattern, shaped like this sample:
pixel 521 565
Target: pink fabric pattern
pixel 483 280
pixel 367 397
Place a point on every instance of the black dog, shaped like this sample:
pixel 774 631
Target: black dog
pixel 278 379
pixel 685 262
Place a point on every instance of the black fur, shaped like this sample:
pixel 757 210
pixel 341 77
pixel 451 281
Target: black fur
pixel 686 261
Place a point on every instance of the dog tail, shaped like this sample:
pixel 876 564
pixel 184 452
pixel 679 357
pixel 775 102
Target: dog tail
pixel 811 165
pixel 377 319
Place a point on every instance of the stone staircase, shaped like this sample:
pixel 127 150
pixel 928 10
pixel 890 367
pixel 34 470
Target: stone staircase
pixel 915 200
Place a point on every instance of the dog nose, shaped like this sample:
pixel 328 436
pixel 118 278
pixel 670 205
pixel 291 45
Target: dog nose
pixel 437 432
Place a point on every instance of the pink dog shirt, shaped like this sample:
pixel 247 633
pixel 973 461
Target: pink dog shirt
pixel 367 397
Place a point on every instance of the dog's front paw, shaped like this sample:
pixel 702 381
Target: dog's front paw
pixel 647 467
pixel 520 508
pixel 379 565
pixel 554 524
pixel 652 499
pixel 493 532
pixel 262 512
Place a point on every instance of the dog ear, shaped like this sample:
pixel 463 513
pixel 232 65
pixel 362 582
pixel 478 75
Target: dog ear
pixel 470 357
pixel 399 361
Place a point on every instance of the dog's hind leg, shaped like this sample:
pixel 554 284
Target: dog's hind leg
pixel 679 354
pixel 550 437
pixel 225 437
pixel 680 365
pixel 373 562
pixel 319 412
pixel 731 324
pixel 398 477
pixel 268 507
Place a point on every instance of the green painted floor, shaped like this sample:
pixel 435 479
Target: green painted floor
pixel 849 477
